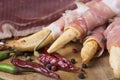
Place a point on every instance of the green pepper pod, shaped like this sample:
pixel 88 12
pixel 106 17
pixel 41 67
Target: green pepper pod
pixel 4 54
pixel 2 79
pixel 9 68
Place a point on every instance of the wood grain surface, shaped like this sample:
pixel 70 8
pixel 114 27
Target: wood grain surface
pixel 99 68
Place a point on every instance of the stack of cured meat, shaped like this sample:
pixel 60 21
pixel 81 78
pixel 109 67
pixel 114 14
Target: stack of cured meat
pixel 86 22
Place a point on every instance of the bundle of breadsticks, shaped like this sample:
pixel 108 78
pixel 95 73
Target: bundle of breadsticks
pixel 75 25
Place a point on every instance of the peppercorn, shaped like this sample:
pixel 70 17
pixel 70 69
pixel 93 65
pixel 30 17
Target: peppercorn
pixel 74 50
pixel 10 48
pixel 27 54
pixel 3 40
pixel 104 40
pixel 54 68
pixel 49 66
pixel 81 75
pixel 84 66
pixel 73 61
pixel 45 63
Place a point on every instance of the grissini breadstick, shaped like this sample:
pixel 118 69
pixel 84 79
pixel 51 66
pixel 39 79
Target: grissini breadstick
pixel 113 45
pixel 93 45
pixel 97 15
pixel 88 51
pixel 28 43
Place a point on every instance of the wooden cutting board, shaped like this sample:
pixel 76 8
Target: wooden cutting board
pixel 99 68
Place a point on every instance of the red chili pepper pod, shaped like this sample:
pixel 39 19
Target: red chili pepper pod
pixel 61 58
pixel 35 66
pixel 59 61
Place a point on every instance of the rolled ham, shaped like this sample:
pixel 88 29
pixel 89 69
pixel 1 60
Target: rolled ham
pixel 96 15
pixel 93 45
pixel 112 33
pixel 98 36
pixel 113 45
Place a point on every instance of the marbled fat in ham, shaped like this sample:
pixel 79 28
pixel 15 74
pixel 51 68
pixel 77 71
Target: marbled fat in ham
pixel 23 17
pixel 112 34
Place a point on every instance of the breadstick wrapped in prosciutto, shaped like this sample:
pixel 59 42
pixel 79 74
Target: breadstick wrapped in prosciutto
pixel 97 15
pixel 112 34
pixel 56 28
pixel 93 45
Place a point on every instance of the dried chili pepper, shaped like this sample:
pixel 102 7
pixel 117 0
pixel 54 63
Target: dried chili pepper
pixel 59 61
pixel 54 59
pixel 35 66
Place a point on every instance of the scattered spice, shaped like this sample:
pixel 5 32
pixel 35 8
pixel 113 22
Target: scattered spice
pixel 45 63
pixel 62 29
pixel 28 54
pixel 84 66
pixel 104 40
pixel 3 40
pixel 74 50
pixel 49 66
pixel 81 75
pixel 73 61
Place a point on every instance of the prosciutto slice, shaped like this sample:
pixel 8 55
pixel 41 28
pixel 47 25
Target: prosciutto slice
pixel 98 36
pixel 112 34
pixel 97 15
pixel 69 16
pixel 23 17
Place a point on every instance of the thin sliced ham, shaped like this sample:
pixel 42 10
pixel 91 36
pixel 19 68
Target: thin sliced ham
pixel 98 36
pixel 112 34
pixel 23 17
pixel 97 15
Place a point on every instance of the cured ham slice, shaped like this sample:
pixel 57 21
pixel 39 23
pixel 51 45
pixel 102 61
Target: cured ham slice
pixel 112 34
pixel 97 15
pixel 23 17
pixel 93 45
